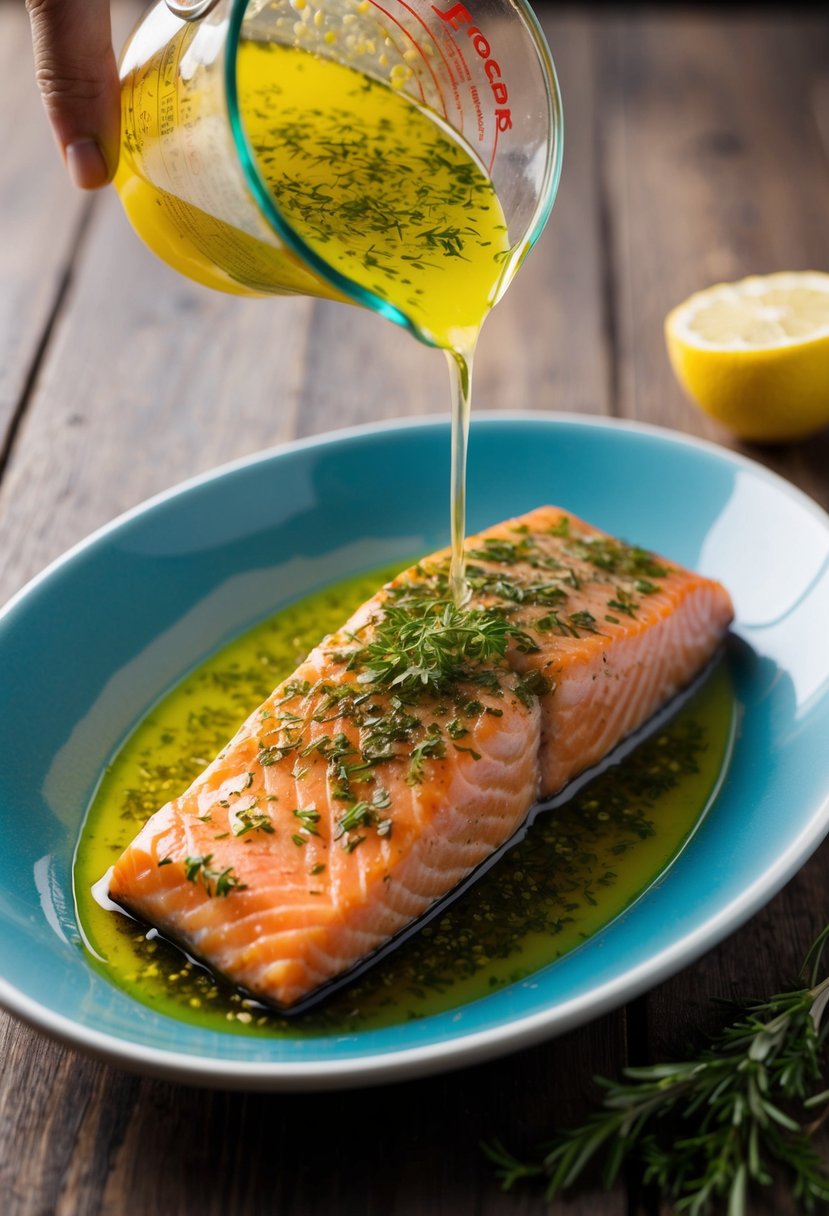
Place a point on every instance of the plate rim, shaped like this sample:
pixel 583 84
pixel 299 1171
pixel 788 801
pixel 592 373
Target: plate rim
pixel 509 1035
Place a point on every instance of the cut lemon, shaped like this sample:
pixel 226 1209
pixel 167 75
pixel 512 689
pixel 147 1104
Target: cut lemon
pixel 755 354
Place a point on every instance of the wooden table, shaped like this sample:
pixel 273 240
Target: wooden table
pixel 696 151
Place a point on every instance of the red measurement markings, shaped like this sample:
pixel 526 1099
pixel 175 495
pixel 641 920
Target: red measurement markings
pixel 447 65
pixel 459 17
pixel 468 76
pixel 403 30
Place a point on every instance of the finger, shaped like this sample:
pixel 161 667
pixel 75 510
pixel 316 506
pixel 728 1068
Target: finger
pixel 78 80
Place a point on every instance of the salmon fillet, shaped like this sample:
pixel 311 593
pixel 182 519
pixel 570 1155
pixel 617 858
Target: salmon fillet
pixel 410 745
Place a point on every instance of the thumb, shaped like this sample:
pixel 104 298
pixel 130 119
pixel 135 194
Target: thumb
pixel 78 80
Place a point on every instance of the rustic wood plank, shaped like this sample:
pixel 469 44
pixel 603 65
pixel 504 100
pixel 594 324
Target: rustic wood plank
pixel 401 1150
pixel 40 217
pixel 169 380
pixel 715 171
pixel 94 1139
pixel 546 346
pixel 165 381
pixel 148 379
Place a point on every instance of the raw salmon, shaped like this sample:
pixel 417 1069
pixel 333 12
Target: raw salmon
pixel 410 745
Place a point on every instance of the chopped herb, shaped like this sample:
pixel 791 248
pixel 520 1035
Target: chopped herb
pixel 498 549
pixel 225 880
pixel 308 816
pixel 431 748
pixel 614 557
pixel 275 753
pixel 317 869
pixel 299 841
pixel 357 816
pixel 475 755
pixel 166 861
pixel 583 620
pixel 551 622
pixel 422 643
pixel 249 819
pixel 623 602
pixel 331 749
pixel 533 684
pixel 294 688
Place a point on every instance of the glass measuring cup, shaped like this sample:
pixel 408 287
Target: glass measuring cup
pixel 194 180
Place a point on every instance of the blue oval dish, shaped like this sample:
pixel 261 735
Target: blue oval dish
pixel 93 642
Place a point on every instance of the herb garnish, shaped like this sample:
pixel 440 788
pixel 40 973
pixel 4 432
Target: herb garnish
pixel 423 643
pixel 309 817
pixel 215 882
pixel 430 748
pixel 705 1129
pixel 249 819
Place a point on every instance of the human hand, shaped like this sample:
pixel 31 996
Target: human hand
pixel 78 80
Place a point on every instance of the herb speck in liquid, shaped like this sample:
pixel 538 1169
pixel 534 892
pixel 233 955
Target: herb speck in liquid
pixel 577 868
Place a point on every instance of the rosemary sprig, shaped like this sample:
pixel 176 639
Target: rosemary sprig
pixel 703 1130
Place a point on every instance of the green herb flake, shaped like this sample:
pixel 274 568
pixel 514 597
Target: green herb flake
pixel 470 750
pixel 250 819
pixel 309 817
pixel 215 882
pixel 623 602
pixel 352 842
pixel 430 748
pixel 533 684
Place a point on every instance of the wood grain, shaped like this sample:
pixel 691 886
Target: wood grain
pixel 693 153
pixel 40 217
pixel 147 379
pixel 709 181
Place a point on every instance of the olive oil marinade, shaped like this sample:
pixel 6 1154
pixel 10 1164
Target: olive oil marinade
pixel 381 189
pixel 578 867
pixel 391 198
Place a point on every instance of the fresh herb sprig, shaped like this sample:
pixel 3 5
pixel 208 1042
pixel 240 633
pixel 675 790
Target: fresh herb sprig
pixel 705 1129
pixel 423 643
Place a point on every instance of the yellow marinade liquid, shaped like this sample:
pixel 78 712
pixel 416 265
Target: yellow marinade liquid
pixel 378 187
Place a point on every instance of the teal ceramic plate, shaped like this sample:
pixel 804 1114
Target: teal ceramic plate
pixel 91 644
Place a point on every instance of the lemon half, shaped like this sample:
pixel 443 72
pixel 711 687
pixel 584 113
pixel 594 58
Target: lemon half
pixel 755 354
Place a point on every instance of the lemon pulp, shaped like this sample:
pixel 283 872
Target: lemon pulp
pixel 755 354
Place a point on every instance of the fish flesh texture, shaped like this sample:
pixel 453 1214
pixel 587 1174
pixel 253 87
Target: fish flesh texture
pixel 411 745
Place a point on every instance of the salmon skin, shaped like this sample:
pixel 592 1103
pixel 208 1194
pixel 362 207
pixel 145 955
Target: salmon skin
pixel 411 745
